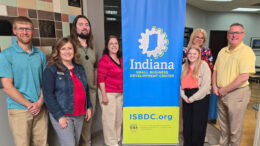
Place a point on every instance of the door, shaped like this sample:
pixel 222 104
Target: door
pixel 218 40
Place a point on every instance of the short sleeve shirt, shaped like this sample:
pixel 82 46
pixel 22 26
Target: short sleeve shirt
pixel 230 64
pixel 25 69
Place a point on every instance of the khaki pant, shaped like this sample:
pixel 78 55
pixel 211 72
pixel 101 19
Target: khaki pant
pixel 85 138
pixel 112 117
pixel 28 130
pixel 231 111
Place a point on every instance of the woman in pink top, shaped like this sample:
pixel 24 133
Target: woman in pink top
pixel 110 79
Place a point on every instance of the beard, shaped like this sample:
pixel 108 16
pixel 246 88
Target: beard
pixel 83 36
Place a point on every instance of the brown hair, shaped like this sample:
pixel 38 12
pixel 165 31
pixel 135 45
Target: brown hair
pixel 237 24
pixel 74 34
pixel 193 35
pixel 22 20
pixel 186 67
pixel 106 51
pixel 55 55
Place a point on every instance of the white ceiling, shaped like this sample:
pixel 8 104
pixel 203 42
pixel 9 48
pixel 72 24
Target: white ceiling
pixel 224 6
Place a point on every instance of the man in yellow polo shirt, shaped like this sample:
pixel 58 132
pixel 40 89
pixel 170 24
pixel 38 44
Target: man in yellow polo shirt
pixel 233 66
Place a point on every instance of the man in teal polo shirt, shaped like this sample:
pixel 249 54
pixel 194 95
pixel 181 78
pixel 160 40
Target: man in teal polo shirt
pixel 21 67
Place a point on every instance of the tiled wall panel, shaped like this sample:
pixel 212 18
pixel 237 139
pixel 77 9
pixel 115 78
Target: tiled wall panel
pixel 51 20
pixel 3 10
pixel 26 4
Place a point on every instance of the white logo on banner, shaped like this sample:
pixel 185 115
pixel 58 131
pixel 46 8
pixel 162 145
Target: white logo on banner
pixel 162 42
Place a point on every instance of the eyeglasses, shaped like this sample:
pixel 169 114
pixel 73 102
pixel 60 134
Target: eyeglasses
pixel 197 37
pixel 24 29
pixel 236 32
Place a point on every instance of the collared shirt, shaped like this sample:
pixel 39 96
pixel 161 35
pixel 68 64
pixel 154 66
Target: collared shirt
pixel 25 69
pixel 89 64
pixel 230 64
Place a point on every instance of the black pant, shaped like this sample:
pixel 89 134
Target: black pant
pixel 195 116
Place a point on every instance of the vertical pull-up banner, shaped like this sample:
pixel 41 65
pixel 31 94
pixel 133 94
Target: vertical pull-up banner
pixel 152 35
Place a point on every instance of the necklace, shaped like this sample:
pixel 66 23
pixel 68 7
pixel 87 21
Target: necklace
pixel 85 51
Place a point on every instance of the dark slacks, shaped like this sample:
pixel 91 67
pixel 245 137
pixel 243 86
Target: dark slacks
pixel 195 116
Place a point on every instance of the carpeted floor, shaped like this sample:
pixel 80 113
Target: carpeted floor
pixel 212 135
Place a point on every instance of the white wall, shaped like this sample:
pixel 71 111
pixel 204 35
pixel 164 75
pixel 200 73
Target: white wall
pixel 6 138
pixel 221 21
pixel 94 10
pixel 196 18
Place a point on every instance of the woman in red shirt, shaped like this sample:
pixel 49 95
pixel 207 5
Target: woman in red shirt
pixel 66 92
pixel 110 79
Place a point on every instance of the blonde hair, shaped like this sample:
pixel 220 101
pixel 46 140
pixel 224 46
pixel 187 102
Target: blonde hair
pixel 193 35
pixel 186 66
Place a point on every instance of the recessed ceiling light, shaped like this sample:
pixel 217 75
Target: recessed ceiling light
pixel 219 0
pixel 246 9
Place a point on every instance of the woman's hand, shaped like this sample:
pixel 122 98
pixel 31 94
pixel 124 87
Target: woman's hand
pixel 105 99
pixel 186 99
pixel 63 122
pixel 88 114
pixel 216 90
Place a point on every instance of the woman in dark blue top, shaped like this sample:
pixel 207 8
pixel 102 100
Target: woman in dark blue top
pixel 66 92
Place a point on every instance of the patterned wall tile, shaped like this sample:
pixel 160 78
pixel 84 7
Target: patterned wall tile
pixel 5 41
pixel 65 29
pixel 35 23
pixel 32 13
pixel 75 10
pixel 22 12
pixel 58 25
pixel 3 10
pixel 6 26
pixel 57 16
pixel 47 1
pixel 65 17
pixel 57 5
pixel 71 18
pixel 45 15
pixel 13 39
pixel 46 49
pixel 36 33
pixel 64 6
pixel 11 11
pixel 36 41
pixel 59 34
pixel 74 3
pixel 47 28
pixel 40 5
pixel 49 6
pixel 8 2
pixel 30 4
pixel 48 41
pixel 56 13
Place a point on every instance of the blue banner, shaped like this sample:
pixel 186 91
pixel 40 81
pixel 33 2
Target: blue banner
pixel 152 34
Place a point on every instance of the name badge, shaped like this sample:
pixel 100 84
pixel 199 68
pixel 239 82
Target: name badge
pixel 60 73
